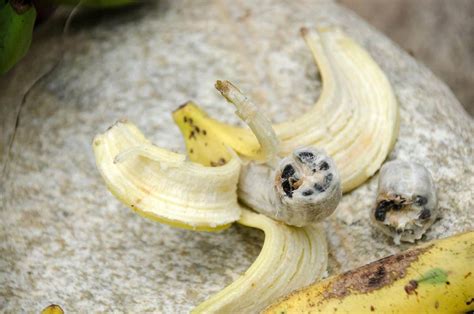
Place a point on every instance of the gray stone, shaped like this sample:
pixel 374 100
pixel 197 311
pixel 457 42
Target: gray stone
pixel 65 239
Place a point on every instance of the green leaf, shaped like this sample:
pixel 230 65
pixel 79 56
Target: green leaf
pixel 434 276
pixel 16 29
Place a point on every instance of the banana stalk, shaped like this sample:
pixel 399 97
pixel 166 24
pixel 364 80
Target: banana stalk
pixel 162 185
pixel 355 119
pixel 291 258
pixel 436 277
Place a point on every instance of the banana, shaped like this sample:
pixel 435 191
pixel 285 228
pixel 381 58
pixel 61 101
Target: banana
pixel 436 277
pixel 162 185
pixel 355 119
pixel 291 258
pixel 52 309
pixel 17 19
pixel 301 189
pixel 406 204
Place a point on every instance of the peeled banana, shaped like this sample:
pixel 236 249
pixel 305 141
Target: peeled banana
pixel 300 189
pixel 291 258
pixel 162 185
pixel 355 119
pixel 435 277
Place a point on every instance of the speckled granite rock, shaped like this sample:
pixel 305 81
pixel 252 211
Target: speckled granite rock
pixel 66 240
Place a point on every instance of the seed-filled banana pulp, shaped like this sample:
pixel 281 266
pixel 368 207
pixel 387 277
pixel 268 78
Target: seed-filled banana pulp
pixel 162 185
pixel 304 188
pixel 406 203
pixel 355 119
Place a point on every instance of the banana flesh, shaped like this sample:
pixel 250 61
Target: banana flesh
pixel 162 185
pixel 436 277
pixel 355 119
pixel 291 258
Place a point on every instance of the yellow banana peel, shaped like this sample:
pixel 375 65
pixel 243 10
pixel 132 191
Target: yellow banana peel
pixel 208 141
pixel 162 185
pixel 291 258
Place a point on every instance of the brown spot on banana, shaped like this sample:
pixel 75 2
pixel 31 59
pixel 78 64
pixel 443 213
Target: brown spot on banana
pixel 373 276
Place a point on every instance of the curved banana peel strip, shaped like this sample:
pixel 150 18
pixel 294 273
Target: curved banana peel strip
pixel 355 119
pixel 436 277
pixel 162 185
pixel 291 258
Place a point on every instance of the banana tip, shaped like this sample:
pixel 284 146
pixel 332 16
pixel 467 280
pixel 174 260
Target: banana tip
pixel 304 31
pixel 182 106
pixel 222 86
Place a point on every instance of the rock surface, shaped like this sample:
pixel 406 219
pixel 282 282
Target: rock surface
pixel 64 239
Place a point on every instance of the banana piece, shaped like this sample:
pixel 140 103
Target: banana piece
pixel 436 277
pixel 17 19
pixel 406 204
pixel 162 185
pixel 291 258
pixel 355 119
pixel 52 309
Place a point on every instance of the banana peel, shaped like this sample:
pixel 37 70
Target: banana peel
pixel 437 277
pixel 355 119
pixel 162 185
pixel 209 141
pixel 291 258
pixel 52 309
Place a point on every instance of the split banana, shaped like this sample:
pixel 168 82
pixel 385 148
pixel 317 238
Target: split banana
pixel 355 119
pixel 436 277
pixel 162 185
pixel 291 258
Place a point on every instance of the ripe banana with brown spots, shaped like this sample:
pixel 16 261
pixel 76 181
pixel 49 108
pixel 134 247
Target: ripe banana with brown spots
pixel 437 277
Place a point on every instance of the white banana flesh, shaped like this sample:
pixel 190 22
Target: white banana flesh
pixel 162 185
pixel 291 258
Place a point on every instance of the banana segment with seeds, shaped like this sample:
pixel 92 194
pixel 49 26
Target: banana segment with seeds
pixel 162 185
pixel 355 120
pixel 406 204
pixel 291 258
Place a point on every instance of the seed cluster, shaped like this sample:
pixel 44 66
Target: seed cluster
pixel 310 164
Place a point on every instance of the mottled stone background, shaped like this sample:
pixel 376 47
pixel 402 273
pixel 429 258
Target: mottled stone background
pixel 64 239
pixel 438 33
